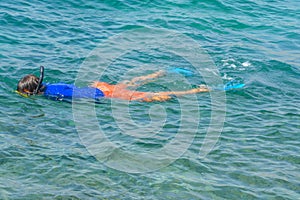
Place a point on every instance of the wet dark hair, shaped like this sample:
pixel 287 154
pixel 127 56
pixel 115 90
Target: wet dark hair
pixel 28 84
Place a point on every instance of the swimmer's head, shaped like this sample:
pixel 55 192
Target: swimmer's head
pixel 28 84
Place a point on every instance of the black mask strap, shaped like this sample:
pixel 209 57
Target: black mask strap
pixel 40 80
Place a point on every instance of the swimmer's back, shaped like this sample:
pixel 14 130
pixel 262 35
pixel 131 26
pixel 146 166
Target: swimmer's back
pixel 62 90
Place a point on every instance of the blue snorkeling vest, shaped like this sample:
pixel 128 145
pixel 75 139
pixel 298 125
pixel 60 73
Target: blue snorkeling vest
pixel 60 91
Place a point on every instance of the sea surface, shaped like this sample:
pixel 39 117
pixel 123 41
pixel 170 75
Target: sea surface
pixel 43 143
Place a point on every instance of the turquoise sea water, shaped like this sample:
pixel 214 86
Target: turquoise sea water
pixel 257 154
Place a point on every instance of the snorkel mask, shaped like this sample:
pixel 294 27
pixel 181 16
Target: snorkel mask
pixel 38 87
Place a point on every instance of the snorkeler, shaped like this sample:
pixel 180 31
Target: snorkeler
pixel 32 85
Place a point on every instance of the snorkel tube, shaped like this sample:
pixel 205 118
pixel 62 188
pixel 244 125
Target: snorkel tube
pixel 40 80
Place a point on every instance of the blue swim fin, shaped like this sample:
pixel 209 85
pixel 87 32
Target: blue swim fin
pixel 182 71
pixel 231 85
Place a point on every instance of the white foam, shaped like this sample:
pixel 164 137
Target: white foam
pixel 246 64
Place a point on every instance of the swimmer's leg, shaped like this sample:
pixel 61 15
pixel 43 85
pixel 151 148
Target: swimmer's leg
pixel 153 98
pixel 141 80
pixel 164 96
pixel 201 88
